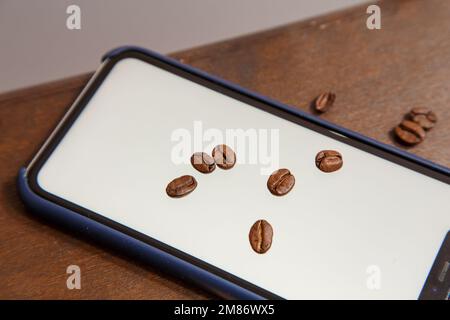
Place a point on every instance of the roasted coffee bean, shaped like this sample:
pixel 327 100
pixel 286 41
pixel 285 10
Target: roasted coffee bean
pixel 324 101
pixel 280 182
pixel 203 162
pixel 260 236
pixel 424 117
pixel 181 186
pixel 329 160
pixel 409 132
pixel 224 156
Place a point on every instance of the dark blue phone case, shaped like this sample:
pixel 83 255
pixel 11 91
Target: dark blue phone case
pixel 149 254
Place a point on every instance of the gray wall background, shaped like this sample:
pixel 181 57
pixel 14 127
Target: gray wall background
pixel 36 46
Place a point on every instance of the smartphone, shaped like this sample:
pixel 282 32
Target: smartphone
pixel 370 230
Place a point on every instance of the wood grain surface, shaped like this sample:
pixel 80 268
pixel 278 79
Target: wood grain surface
pixel 377 75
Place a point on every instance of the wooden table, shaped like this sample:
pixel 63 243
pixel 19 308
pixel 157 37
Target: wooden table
pixel 378 75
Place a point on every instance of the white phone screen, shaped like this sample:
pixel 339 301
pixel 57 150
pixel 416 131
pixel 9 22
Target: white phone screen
pixel 370 230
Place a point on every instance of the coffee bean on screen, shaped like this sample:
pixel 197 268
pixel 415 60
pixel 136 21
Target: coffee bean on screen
pixel 329 160
pixel 280 182
pixel 203 162
pixel 181 186
pixel 409 132
pixel 324 101
pixel 224 156
pixel 424 117
pixel 260 236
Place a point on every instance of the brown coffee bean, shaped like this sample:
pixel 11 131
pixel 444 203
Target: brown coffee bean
pixel 329 160
pixel 260 236
pixel 409 132
pixel 280 182
pixel 424 117
pixel 203 162
pixel 324 101
pixel 181 186
pixel 224 156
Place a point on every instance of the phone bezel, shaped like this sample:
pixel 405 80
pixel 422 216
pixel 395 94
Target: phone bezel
pixel 222 87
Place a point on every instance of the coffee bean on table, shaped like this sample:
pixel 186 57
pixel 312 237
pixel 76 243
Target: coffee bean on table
pixel 324 101
pixel 424 117
pixel 224 156
pixel 409 132
pixel 280 182
pixel 329 160
pixel 181 186
pixel 203 162
pixel 260 236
